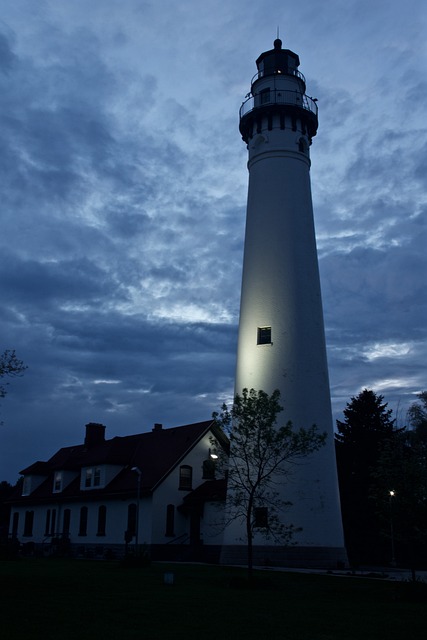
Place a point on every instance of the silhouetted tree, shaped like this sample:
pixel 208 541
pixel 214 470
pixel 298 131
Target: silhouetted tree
pixel 261 456
pixel 402 469
pixel 417 418
pixel 367 426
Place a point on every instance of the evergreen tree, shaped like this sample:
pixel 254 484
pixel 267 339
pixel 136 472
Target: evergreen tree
pixel 402 469
pixel 400 494
pixel 417 417
pixel 367 426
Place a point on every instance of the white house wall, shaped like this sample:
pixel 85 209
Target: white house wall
pixel 152 512
pixel 212 523
pixel 169 493
pixel 116 522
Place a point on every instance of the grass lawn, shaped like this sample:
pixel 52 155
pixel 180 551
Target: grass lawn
pixel 101 600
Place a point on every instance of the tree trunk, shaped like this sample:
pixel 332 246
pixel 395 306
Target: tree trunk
pixel 249 538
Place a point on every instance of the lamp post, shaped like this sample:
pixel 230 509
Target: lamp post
pixel 138 495
pixel 391 495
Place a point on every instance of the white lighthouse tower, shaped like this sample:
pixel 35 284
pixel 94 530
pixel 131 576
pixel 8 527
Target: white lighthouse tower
pixel 281 334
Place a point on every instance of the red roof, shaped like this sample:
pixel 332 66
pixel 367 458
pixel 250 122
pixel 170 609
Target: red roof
pixel 155 453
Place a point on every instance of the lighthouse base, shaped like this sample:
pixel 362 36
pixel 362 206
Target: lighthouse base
pixel 280 556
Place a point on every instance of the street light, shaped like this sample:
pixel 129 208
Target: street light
pixel 138 495
pixel 391 495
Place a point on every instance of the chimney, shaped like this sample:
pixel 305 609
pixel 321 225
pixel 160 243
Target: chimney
pixel 95 434
pixel 157 426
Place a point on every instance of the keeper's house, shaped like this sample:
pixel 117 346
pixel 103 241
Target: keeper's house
pixel 100 498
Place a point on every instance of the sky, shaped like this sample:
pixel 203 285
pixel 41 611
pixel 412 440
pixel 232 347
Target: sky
pixel 123 195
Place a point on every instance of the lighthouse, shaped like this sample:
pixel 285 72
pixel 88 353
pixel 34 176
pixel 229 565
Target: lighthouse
pixel 281 342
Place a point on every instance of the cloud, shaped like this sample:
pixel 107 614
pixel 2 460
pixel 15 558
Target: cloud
pixel 123 204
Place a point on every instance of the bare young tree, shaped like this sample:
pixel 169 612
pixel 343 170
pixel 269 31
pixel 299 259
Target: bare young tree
pixel 262 455
pixel 10 366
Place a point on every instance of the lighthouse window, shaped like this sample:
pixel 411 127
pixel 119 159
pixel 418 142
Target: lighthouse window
pixel 264 335
pixel 265 96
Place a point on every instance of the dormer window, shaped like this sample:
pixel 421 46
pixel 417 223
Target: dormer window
pixel 57 482
pixel 26 486
pixel 96 477
pixel 88 478
pixel 30 484
pixel 92 478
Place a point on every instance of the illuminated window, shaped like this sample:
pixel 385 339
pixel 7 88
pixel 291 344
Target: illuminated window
pixel 264 335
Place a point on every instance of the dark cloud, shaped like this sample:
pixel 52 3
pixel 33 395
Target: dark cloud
pixel 123 197
pixel 53 283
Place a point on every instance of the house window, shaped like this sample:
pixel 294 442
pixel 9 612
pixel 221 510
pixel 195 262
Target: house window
pixel 261 517
pixel 170 520
pixel 66 522
pixel 83 522
pixel 102 520
pixel 185 477
pixel 47 526
pixel 88 478
pixel 264 335
pixel 92 477
pixel 28 523
pixel 26 487
pixel 57 481
pixel 209 469
pixel 15 524
pixel 97 477
pixel 53 522
pixel 131 529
